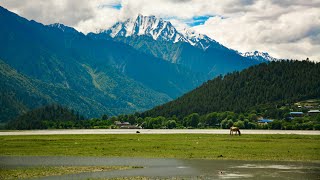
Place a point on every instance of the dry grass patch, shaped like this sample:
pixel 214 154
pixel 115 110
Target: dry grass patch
pixel 35 172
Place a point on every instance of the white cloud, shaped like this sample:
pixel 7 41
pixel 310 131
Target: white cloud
pixel 282 31
pixel 83 15
pixel 285 29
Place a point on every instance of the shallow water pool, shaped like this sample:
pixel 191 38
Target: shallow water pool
pixel 168 168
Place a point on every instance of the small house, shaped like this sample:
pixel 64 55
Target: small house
pixel 296 114
pixel 126 125
pixel 313 112
pixel 264 121
pixel 118 123
pixel 308 107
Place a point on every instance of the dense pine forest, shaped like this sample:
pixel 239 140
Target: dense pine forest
pixel 260 86
pixel 56 117
pixel 51 116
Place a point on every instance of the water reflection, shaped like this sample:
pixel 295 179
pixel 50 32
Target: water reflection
pixel 177 168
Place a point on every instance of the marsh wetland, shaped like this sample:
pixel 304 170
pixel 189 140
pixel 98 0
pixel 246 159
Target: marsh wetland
pixel 163 156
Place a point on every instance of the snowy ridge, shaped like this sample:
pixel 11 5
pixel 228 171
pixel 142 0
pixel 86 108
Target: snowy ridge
pixel 158 29
pixel 197 39
pixel 260 56
pixel 63 28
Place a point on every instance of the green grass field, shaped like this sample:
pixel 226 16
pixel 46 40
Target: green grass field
pixel 200 146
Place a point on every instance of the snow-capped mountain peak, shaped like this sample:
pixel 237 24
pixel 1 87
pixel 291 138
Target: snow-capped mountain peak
pixel 158 29
pixel 145 25
pixel 260 56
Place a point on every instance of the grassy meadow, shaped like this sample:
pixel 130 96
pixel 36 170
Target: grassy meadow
pixel 200 146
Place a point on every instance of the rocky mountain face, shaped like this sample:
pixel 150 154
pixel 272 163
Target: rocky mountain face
pixel 194 51
pixel 157 29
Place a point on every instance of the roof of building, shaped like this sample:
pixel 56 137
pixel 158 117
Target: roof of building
pixel 265 120
pixel 296 112
pixel 314 111
pixel 121 123
pixel 308 106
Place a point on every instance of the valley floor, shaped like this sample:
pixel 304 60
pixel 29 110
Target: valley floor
pixel 161 156
pixel 283 147
pixel 153 131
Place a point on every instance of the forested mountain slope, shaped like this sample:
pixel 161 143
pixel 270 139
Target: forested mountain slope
pixel 272 83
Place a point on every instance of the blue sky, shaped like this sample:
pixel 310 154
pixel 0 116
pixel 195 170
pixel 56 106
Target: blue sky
pixel 198 20
pixel 116 6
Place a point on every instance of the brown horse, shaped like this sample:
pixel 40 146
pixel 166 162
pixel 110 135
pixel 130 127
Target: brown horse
pixel 235 129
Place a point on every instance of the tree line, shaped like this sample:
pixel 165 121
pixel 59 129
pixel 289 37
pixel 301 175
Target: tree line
pixel 58 117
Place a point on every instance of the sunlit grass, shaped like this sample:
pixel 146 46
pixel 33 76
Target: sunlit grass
pixel 200 146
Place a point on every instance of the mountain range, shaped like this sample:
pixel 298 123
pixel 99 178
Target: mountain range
pixel 133 66
pixel 159 38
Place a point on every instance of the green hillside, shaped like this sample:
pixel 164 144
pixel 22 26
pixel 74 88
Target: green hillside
pixel 20 93
pixel 264 85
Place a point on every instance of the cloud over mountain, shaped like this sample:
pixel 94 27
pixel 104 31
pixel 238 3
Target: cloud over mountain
pixel 285 29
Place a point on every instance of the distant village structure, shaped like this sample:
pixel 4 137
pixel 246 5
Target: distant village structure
pixel 313 112
pixel 264 121
pixel 126 125
pixel 296 114
pixel 301 114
